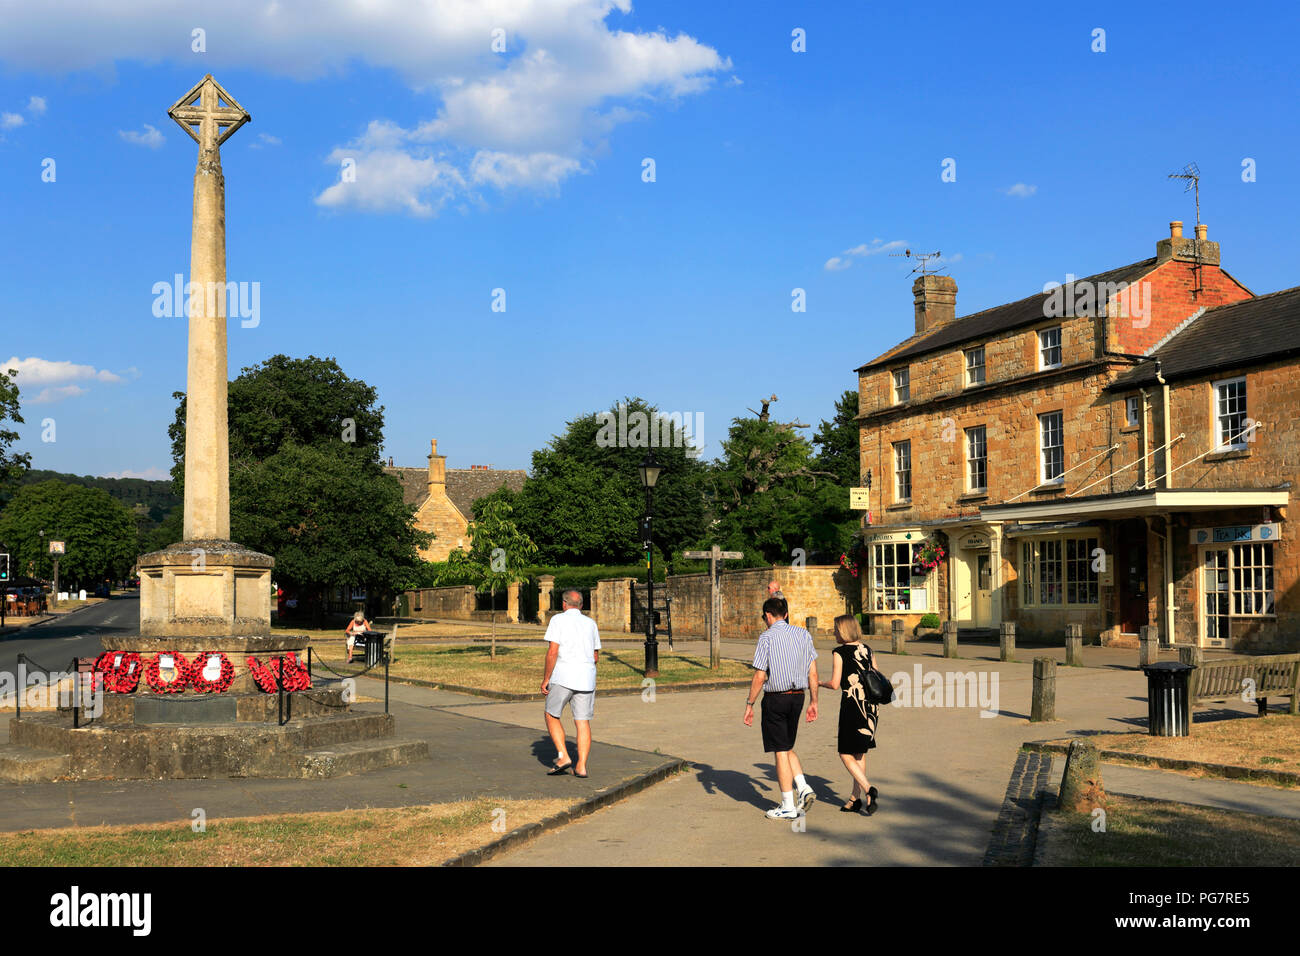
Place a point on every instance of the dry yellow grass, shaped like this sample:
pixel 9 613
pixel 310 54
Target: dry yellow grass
pixel 403 836
pixel 1151 833
pixel 1268 742
pixel 518 670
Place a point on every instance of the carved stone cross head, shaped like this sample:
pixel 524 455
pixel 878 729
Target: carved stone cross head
pixel 209 114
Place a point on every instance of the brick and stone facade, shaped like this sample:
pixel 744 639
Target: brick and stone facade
pixel 1004 436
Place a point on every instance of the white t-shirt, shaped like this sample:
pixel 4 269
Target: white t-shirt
pixel 579 639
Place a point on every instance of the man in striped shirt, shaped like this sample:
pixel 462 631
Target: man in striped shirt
pixel 785 666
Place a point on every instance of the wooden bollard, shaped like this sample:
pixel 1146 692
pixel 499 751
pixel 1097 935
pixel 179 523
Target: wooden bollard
pixel 1007 640
pixel 1190 654
pixel 1043 707
pixel 1074 645
pixel 949 638
pixel 1148 645
pixel 897 636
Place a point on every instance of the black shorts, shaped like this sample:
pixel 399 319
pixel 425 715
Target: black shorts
pixel 780 720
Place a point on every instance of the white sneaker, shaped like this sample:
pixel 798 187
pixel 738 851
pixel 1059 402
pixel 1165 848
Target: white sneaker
pixel 781 813
pixel 805 798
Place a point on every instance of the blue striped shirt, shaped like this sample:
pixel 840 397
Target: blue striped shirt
pixel 785 652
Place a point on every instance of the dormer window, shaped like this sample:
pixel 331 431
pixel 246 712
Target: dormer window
pixel 902 385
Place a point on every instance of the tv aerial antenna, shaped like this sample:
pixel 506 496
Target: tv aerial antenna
pixel 1192 173
pixel 923 258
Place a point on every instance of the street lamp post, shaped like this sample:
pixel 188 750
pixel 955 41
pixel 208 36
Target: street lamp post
pixel 650 472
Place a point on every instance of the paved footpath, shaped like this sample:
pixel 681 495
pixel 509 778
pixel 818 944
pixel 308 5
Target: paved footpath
pixel 941 771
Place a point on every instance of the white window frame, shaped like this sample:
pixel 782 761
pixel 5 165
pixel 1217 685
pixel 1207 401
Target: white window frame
pixel 1044 448
pixel 1045 347
pixel 1068 560
pixel 885 592
pixel 1249 584
pixel 902 471
pixel 1218 398
pixel 902 384
pixel 971 367
pixel 1132 411
pixel 983 459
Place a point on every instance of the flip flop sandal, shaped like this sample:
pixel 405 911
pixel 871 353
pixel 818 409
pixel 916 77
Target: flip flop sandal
pixel 558 771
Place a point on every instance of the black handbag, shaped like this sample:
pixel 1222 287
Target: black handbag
pixel 876 686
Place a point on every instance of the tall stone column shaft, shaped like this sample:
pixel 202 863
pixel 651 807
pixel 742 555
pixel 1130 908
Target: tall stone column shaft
pixel 207 447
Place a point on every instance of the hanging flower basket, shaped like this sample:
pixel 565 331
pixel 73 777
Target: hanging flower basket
pixel 926 556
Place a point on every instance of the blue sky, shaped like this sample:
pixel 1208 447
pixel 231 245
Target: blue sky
pixel 523 171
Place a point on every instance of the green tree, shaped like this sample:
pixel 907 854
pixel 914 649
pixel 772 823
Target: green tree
pixel 12 465
pixel 329 519
pixel 838 442
pixel 767 494
pixel 584 498
pixel 100 533
pixel 500 554
pixel 283 400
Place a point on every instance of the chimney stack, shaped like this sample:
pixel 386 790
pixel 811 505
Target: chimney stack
pixel 437 471
pixel 1185 248
pixel 936 301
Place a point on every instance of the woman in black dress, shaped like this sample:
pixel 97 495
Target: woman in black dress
pixel 857 732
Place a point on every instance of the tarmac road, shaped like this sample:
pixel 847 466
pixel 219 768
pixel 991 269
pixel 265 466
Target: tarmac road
pixel 54 643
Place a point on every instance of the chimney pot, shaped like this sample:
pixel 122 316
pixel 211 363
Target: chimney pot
pixel 1176 229
pixel 433 446
pixel 1201 231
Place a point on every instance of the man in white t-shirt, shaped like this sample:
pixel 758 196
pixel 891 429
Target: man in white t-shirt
pixel 570 678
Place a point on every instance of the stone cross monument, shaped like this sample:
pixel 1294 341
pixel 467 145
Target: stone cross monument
pixel 206 592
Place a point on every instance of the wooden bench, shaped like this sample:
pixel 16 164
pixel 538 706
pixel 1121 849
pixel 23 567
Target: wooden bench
pixel 1275 674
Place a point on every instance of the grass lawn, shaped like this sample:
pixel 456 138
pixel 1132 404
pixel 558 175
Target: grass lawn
pixel 1271 742
pixel 405 836
pixel 1158 833
pixel 518 670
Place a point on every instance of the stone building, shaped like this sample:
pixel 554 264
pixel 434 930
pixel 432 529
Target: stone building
pixel 444 498
pixel 1117 452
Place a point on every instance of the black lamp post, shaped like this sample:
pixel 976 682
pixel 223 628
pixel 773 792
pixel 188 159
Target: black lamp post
pixel 650 472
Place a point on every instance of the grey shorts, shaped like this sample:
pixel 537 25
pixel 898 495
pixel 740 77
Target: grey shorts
pixel 582 703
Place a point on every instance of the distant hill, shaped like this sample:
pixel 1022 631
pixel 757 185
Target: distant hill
pixel 151 499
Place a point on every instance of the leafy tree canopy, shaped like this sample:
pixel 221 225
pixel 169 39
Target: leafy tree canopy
pixel 100 533
pixel 584 499
pixel 12 465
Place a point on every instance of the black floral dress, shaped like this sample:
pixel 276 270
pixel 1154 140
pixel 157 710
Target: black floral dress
pixel 857 733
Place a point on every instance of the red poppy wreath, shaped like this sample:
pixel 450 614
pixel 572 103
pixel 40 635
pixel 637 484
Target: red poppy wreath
pixel 267 675
pixel 121 670
pixel 211 673
pixel 180 667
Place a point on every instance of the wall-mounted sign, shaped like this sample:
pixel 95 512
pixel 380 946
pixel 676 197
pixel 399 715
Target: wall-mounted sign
pixel 859 499
pixel 1236 534
pixel 973 541
pixel 56 547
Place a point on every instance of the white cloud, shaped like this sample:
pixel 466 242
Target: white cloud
pixel 389 180
pixel 1021 190
pixel 11 120
pixel 47 396
pixel 537 170
pixel 149 474
pixel 264 139
pixel 36 105
pixel 39 371
pixel 571 73
pixel 873 248
pixel 150 137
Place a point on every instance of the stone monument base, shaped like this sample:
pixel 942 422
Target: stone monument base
pixel 205 588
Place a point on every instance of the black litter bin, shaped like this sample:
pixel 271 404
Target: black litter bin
pixel 374 647
pixel 1169 712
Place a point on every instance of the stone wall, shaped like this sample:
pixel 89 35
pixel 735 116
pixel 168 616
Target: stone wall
pixel 822 592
